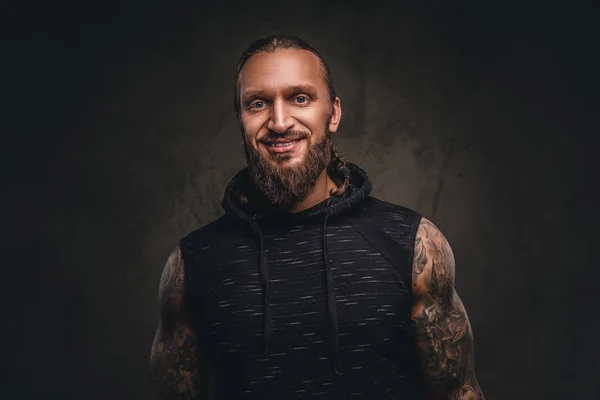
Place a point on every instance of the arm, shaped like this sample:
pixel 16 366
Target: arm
pixel 441 327
pixel 174 358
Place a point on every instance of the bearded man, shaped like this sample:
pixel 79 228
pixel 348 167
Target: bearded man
pixel 307 286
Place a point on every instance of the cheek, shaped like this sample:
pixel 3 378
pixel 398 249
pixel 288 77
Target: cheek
pixel 318 120
pixel 250 129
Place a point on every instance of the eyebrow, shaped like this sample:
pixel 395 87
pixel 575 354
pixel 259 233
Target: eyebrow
pixel 251 94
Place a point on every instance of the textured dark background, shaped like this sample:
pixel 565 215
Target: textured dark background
pixel 120 139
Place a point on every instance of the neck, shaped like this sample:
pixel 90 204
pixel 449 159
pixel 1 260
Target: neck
pixel 321 191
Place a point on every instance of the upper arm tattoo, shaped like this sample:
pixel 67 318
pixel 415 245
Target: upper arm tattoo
pixel 441 327
pixel 173 359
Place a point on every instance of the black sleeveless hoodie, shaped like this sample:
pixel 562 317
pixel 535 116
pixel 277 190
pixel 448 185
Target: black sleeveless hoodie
pixel 315 303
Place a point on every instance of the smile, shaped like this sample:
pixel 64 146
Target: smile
pixel 283 144
pixel 282 147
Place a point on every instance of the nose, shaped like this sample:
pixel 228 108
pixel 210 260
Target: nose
pixel 281 118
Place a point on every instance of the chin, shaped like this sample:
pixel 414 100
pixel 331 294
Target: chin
pixel 289 160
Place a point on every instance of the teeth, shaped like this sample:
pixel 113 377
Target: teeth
pixel 287 144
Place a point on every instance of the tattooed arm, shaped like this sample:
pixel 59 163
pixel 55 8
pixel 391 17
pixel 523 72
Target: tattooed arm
pixel 441 327
pixel 174 362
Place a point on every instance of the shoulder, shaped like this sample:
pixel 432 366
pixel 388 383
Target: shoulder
pixel 433 262
pixel 215 234
pixel 394 219
pixel 382 209
pixel 221 224
pixel 429 234
pixel 397 222
pixel 170 290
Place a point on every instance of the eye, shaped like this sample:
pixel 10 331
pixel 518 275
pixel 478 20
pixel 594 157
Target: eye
pixel 302 99
pixel 256 105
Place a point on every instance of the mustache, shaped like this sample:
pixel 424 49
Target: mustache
pixel 289 134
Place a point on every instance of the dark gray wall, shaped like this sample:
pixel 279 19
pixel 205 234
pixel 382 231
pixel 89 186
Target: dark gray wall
pixel 123 139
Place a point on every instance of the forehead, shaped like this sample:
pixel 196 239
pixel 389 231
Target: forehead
pixel 280 69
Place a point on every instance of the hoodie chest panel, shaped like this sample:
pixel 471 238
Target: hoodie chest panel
pixel 297 288
pixel 232 301
pixel 372 303
pixel 370 297
pixel 228 297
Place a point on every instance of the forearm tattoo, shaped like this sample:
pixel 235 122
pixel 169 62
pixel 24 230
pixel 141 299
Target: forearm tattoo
pixel 173 360
pixel 441 327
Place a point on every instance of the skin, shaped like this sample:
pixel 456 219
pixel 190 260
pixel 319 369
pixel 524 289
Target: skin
pixel 176 366
pixel 281 91
pixel 441 328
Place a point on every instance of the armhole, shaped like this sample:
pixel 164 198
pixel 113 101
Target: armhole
pixel 411 253
pixel 186 253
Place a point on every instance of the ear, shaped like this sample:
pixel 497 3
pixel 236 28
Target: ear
pixel 336 115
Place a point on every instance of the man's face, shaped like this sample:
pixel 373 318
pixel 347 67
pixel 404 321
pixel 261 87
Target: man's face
pixel 286 118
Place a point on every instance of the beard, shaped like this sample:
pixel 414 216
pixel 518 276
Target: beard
pixel 283 184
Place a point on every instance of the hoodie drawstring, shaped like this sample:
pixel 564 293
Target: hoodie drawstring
pixel 331 299
pixel 264 281
pixel 331 304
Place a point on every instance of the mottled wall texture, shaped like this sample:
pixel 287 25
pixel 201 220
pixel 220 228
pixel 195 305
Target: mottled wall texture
pixel 123 139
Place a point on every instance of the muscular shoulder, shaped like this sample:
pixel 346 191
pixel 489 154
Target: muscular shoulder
pixel 171 286
pixel 433 264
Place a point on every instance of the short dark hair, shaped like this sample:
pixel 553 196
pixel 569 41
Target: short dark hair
pixel 279 42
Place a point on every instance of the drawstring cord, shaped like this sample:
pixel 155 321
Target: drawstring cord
pixel 331 303
pixel 331 298
pixel 264 281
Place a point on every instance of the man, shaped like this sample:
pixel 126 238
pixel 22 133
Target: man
pixel 308 286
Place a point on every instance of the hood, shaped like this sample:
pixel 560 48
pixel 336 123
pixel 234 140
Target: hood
pixel 242 200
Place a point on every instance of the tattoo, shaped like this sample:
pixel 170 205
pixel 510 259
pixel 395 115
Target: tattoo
pixel 171 281
pixel 420 259
pixel 466 392
pixel 440 324
pixel 174 358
